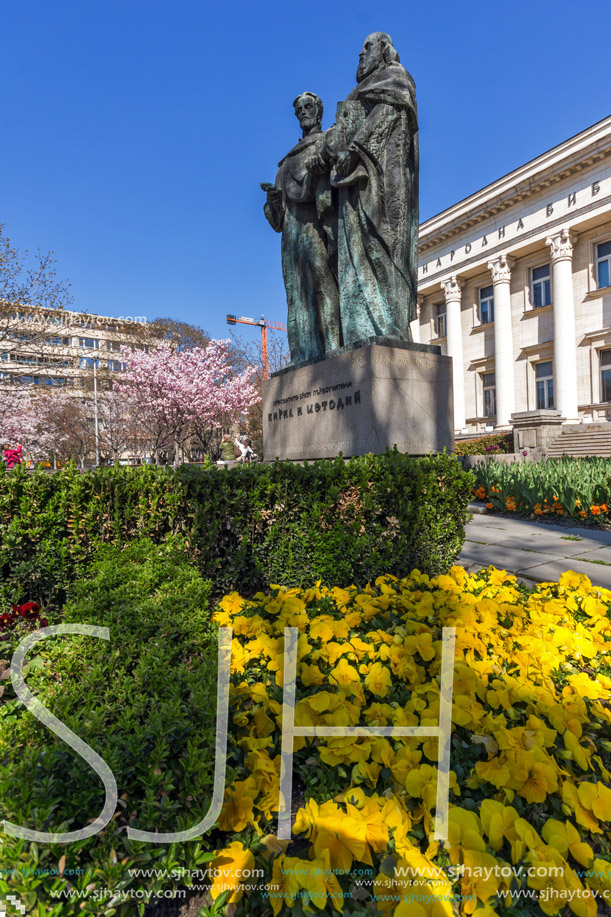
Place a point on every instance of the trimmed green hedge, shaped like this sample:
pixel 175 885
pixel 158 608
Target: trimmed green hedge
pixel 343 522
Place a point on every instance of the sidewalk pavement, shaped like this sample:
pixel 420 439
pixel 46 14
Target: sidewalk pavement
pixel 536 552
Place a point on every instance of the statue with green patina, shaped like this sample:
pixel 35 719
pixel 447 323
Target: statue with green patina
pixel 346 201
pixel 300 205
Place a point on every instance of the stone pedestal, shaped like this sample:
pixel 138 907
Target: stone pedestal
pixel 535 430
pixel 377 394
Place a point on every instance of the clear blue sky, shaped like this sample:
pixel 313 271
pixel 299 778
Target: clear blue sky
pixel 134 134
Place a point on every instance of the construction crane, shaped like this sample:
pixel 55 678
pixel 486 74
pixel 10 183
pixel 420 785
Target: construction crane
pixel 264 325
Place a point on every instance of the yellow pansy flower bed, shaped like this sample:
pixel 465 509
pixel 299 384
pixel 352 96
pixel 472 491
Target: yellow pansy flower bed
pixel 529 828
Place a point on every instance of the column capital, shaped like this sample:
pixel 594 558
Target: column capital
pixel 561 245
pixel 452 288
pixel 501 269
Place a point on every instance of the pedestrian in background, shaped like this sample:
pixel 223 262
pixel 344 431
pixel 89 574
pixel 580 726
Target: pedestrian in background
pixel 12 457
pixel 227 450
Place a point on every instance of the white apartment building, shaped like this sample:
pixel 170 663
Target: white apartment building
pixel 60 347
pixel 514 283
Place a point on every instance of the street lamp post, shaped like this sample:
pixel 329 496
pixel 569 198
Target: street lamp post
pixel 95 412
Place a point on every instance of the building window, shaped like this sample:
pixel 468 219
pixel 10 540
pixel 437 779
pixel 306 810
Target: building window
pixel 113 345
pixel 116 365
pixel 605 375
pixel 440 320
pixel 544 383
pixel 603 264
pixel 89 342
pixel 486 305
pixel 25 358
pixel 540 287
pixel 87 362
pixel 59 342
pixel 489 386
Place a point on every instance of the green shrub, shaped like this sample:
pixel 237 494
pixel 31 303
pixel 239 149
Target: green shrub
pixel 145 701
pixel 496 444
pixel 340 521
pixel 52 524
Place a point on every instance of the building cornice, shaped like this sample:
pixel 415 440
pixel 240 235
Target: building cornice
pixel 569 158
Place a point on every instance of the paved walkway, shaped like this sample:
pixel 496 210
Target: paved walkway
pixel 535 552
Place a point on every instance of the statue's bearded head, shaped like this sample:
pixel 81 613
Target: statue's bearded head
pixel 308 109
pixel 377 50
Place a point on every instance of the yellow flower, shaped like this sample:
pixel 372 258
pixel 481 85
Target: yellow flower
pixel 361 648
pixel 232 603
pixel 310 675
pixel 376 830
pixel 600 877
pixel 345 750
pixel 558 885
pixel 248 627
pixel 464 833
pixel 378 680
pixel 292 876
pixel 367 771
pixel 540 781
pixel 585 818
pixel 231 866
pixel 421 643
pixel 238 805
pixel 479 879
pixel 322 628
pixel 578 753
pixel 344 839
pixel 565 838
pixel 497 821
pixel 285 882
pixel 495 771
pixel 406 893
pixel 344 675
pixel 597 798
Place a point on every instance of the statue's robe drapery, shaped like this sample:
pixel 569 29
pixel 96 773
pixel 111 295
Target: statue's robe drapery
pixel 306 220
pixel 378 206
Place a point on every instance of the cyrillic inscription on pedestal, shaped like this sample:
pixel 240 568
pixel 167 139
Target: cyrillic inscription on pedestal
pixel 365 400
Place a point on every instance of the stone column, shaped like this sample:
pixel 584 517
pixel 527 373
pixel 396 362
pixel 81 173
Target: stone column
pixel 415 324
pixel 503 341
pixel 565 353
pixel 452 289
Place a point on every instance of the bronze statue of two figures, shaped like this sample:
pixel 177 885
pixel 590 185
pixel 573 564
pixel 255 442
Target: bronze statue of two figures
pixel 346 203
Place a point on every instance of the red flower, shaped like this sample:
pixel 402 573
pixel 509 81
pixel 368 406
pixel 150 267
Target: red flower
pixel 30 606
pixel 44 622
pixel 28 610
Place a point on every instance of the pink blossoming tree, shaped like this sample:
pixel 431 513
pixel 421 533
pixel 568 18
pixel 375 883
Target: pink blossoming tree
pixel 176 396
pixel 43 422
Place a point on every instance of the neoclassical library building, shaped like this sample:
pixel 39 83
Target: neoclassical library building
pixel 514 284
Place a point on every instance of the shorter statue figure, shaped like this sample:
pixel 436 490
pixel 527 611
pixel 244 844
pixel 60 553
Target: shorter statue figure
pixel 300 206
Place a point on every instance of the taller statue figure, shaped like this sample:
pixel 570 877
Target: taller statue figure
pixel 373 153
pixel 300 206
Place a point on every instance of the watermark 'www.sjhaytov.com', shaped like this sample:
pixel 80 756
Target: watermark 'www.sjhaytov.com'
pixel 442 732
